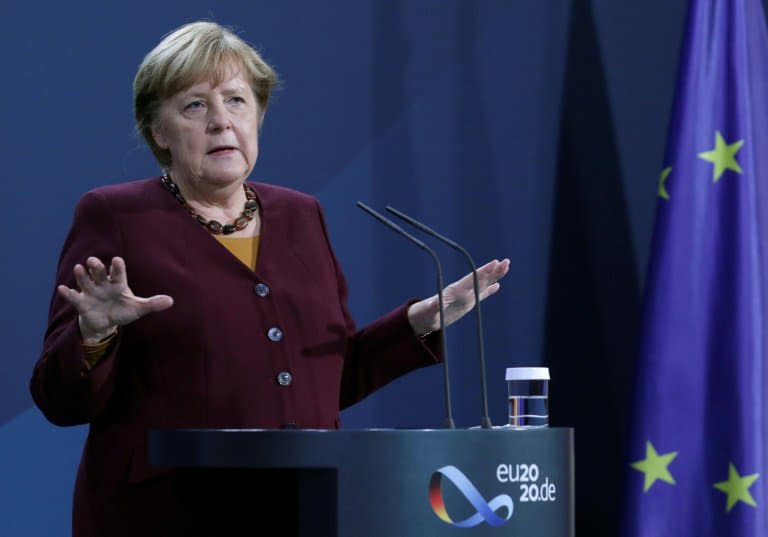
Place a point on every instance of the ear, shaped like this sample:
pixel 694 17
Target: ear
pixel 159 137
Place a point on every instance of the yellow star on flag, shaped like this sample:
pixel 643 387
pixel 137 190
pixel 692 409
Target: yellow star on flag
pixel 723 156
pixel 662 180
pixel 737 488
pixel 654 466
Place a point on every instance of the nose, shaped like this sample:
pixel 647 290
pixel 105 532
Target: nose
pixel 218 118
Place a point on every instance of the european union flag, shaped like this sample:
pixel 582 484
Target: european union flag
pixel 698 462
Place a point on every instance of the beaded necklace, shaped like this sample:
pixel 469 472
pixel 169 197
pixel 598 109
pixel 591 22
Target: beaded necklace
pixel 217 228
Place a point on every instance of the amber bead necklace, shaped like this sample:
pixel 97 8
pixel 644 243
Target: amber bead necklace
pixel 217 228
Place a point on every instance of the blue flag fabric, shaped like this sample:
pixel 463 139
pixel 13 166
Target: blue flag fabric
pixel 698 459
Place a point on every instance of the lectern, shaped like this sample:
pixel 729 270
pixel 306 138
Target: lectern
pixel 385 483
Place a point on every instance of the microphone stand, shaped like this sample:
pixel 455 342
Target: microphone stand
pixel 485 420
pixel 449 423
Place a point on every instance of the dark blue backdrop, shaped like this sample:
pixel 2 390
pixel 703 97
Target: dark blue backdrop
pixel 530 129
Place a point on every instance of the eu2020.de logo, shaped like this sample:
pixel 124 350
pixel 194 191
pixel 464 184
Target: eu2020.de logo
pixel 484 511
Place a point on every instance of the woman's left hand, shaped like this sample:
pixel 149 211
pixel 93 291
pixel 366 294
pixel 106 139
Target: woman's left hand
pixel 458 298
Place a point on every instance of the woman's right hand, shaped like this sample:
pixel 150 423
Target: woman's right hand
pixel 105 301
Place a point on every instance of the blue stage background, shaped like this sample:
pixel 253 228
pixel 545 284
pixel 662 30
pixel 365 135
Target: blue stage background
pixel 529 129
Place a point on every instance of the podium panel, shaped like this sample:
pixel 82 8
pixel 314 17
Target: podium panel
pixel 385 483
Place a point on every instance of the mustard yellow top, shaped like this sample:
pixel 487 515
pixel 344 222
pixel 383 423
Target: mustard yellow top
pixel 246 249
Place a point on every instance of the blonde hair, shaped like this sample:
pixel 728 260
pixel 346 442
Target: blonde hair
pixel 190 54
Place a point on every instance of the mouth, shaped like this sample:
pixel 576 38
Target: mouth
pixel 222 150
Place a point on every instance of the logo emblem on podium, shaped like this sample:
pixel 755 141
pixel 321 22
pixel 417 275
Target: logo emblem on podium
pixel 484 511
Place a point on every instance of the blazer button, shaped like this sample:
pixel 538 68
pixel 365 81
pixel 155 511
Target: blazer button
pixel 275 334
pixel 262 289
pixel 284 378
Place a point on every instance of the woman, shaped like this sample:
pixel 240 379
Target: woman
pixel 198 299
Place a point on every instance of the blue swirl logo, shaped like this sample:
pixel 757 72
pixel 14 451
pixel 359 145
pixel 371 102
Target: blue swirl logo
pixel 485 511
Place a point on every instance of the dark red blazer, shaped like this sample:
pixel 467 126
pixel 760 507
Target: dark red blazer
pixel 209 360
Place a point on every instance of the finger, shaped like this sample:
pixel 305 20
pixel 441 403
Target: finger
pixel 154 304
pixel 467 283
pixel 117 271
pixel 488 269
pixel 83 279
pixel 493 271
pixel 490 290
pixel 487 275
pixel 500 270
pixel 69 295
pixel 503 268
pixel 97 271
pixel 489 266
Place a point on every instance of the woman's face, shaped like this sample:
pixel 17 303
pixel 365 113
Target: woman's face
pixel 212 132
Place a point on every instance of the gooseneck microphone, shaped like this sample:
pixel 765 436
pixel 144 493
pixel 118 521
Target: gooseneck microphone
pixel 449 423
pixel 485 420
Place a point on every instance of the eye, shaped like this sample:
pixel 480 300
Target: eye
pixel 237 99
pixel 194 105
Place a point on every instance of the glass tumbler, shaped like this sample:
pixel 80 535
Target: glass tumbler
pixel 528 393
